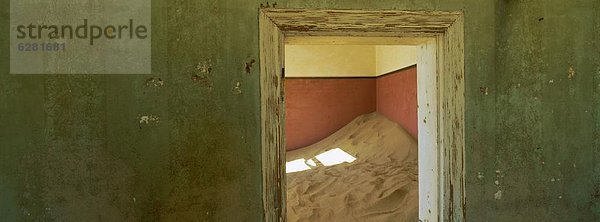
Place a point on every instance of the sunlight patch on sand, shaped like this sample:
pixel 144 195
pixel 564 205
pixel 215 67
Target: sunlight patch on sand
pixel 296 166
pixel 334 157
pixel 328 158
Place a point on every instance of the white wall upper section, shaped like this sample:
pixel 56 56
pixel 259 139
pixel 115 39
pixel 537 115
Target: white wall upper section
pixel 329 60
pixel 346 60
pixel 391 58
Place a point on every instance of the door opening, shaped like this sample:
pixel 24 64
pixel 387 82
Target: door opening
pixel 351 132
pixel 439 37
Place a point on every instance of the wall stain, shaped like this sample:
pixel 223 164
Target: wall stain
pixel 268 5
pixel 202 79
pixel 249 66
pixel 484 90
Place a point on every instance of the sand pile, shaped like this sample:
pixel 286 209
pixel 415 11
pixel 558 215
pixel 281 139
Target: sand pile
pixel 380 185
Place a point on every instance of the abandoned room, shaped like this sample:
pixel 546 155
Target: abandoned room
pixel 300 110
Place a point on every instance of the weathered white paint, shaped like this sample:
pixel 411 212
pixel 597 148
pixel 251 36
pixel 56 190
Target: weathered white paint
pixel 272 119
pixel 428 132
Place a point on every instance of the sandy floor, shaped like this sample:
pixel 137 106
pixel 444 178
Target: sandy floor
pixel 380 185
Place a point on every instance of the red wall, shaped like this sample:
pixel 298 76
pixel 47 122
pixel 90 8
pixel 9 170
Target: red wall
pixel 317 107
pixel 397 98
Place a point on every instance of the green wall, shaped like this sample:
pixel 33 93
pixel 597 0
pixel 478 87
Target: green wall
pixel 72 147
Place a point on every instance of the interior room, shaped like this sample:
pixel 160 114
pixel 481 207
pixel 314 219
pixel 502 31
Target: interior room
pixel 351 132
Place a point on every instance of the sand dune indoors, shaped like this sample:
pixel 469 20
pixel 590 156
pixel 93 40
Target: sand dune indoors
pixel 380 184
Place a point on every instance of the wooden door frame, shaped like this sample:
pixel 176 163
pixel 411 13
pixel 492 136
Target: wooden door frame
pixel 440 36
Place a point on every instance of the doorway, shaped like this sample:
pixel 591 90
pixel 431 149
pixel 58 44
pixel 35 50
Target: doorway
pixel 439 37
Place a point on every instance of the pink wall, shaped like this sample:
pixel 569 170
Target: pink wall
pixel 317 107
pixel 397 98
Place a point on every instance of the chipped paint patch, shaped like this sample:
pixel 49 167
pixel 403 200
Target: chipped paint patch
pixel 155 82
pixel 497 182
pixel 268 5
pixel 498 195
pixel 204 66
pixel 484 90
pixel 149 119
pixel 249 65
pixel 551 81
pixel 201 73
pixel 571 72
pixel 238 88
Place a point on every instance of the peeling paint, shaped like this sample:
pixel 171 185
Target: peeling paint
pixel 571 72
pixel 497 182
pixel 498 195
pixel 480 175
pixel 204 66
pixel 149 119
pixel 202 73
pixel 238 88
pixel 156 82
pixel 249 65
pixel 267 5
pixel 484 90
pixel 551 81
